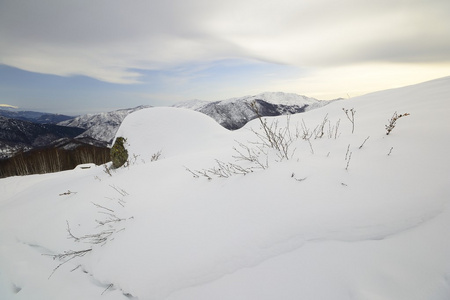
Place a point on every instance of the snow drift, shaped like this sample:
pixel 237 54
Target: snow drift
pixel 345 215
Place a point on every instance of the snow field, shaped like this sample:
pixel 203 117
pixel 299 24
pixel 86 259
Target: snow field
pixel 321 225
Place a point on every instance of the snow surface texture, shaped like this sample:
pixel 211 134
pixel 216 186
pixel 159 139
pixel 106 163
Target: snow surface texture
pixel 334 221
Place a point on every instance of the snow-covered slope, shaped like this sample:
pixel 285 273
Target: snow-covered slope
pixel 236 112
pixel 345 215
pixel 102 126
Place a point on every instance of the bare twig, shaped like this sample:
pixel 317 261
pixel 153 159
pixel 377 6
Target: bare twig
pixel 348 149
pixel 67 193
pixel 75 268
pixel 350 113
pixel 99 206
pixel 393 120
pixel 390 151
pixel 348 161
pixel 298 179
pixel 109 286
pixel 306 132
pixel 192 172
pixel 119 190
pixel 364 142
pixel 252 155
pixel 107 170
pixel 311 147
pixel 279 139
pixel 66 256
pixel 100 237
pixel 319 130
pixel 156 156
pixel 336 128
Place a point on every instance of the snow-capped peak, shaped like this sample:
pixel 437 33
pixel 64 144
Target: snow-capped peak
pixel 233 113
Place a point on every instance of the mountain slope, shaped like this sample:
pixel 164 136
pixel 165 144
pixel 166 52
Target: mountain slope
pixel 17 134
pixel 226 215
pixel 236 112
pixel 102 126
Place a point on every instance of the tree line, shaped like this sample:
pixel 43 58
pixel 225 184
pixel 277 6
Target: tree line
pixel 48 160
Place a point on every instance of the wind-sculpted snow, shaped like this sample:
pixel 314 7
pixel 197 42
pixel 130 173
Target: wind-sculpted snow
pixel 347 216
pixel 174 131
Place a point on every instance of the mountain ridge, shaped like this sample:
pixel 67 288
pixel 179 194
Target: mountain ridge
pixel 33 116
pixel 17 135
pixel 234 113
pixel 99 129
pixel 101 126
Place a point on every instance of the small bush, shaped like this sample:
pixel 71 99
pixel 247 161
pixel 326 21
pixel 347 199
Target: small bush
pixel 119 155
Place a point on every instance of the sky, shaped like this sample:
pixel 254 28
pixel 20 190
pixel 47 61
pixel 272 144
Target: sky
pixel 83 56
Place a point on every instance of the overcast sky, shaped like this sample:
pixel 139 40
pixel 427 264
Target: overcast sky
pixel 84 56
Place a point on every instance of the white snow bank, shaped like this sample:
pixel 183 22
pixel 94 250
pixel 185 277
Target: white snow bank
pixel 173 131
pixel 340 213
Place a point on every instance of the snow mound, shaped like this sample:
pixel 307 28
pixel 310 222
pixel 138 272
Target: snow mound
pixel 173 131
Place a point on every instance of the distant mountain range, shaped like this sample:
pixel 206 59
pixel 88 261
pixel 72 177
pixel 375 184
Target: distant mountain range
pixel 28 130
pixel 236 112
pixel 17 134
pixel 24 130
pixel 102 126
pixel 33 116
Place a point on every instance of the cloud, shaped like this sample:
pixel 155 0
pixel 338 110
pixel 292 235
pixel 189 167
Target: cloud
pixel 359 79
pixel 113 40
pixel 9 106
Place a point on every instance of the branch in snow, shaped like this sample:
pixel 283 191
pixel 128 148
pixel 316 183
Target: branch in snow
pixel 393 120
pixel 350 113
pixel 364 142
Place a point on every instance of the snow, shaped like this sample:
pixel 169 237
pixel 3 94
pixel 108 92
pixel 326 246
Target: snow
pixel 84 166
pixel 194 104
pixel 234 113
pixel 277 98
pixel 101 126
pixel 323 224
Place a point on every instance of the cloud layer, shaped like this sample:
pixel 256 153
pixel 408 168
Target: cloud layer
pixel 114 40
pixel 8 106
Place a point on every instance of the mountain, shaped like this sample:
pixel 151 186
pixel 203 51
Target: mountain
pixel 236 112
pixel 35 117
pixel 26 130
pixel 17 134
pixel 101 126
